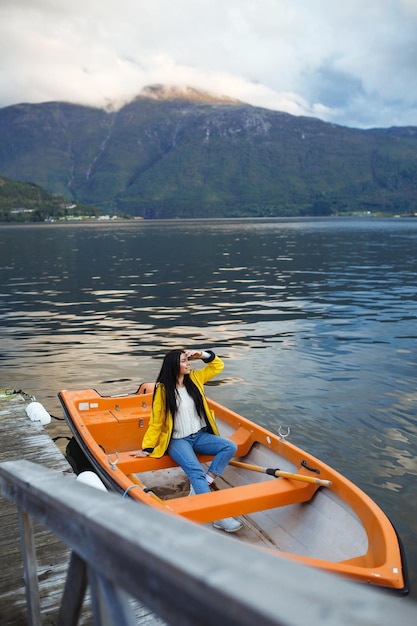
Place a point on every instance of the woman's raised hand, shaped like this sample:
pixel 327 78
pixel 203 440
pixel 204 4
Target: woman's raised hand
pixel 193 354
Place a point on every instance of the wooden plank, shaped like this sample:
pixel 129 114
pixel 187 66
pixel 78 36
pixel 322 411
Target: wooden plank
pixel 190 575
pixel 244 499
pixel 30 568
pixel 74 592
pixel 20 438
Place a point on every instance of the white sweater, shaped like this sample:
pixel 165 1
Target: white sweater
pixel 187 421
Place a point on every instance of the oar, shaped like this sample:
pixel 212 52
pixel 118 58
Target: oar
pixel 140 484
pixel 280 474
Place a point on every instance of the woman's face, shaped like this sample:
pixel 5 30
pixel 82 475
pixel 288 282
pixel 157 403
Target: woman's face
pixel 184 365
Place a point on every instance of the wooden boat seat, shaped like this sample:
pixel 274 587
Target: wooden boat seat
pixel 242 500
pixel 136 465
pixel 242 437
pixel 203 508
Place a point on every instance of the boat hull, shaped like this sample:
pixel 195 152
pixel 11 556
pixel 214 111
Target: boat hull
pixel 334 527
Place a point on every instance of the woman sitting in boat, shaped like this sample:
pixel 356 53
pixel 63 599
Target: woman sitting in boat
pixel 182 424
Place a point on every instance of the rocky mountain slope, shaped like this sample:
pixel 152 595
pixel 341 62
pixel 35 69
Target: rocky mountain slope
pixel 184 153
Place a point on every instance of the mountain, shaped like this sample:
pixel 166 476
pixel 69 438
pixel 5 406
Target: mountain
pixel 175 152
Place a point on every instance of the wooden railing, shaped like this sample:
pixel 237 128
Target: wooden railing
pixel 184 573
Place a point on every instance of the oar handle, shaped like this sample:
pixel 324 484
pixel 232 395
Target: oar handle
pixel 302 478
pixel 140 484
pixel 248 466
pixel 281 474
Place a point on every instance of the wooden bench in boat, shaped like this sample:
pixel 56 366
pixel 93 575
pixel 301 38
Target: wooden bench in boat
pixel 240 500
pixel 136 465
pixel 244 499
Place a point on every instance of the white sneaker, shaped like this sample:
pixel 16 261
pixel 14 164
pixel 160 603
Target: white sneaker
pixel 228 524
pixel 193 493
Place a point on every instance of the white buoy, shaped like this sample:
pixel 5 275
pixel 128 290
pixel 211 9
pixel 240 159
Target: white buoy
pixel 90 478
pixel 38 413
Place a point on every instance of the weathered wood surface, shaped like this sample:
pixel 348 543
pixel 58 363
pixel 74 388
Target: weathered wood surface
pixel 21 438
pixel 188 574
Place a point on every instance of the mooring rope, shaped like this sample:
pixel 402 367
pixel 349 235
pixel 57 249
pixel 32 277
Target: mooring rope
pixel 14 392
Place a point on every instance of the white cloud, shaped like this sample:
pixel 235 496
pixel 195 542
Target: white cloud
pixel 350 63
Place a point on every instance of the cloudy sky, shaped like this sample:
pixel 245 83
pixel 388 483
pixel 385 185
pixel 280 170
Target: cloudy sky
pixel 352 63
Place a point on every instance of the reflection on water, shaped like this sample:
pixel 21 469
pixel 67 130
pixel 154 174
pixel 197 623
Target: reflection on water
pixel 316 321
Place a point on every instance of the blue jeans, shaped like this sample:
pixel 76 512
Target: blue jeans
pixel 184 451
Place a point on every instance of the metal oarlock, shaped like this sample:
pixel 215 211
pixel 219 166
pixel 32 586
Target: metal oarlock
pixel 113 463
pixel 283 435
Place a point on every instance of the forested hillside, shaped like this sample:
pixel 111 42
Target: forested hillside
pixel 185 154
pixel 27 202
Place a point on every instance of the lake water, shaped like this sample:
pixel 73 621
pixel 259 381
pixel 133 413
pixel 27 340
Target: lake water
pixel 316 321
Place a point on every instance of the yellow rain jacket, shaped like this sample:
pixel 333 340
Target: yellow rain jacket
pixel 161 423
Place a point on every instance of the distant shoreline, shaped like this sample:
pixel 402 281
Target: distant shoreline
pixel 141 220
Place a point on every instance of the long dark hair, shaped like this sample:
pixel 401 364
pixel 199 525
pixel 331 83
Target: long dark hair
pixel 168 377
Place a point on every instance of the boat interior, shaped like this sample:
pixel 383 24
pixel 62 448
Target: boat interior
pixel 287 515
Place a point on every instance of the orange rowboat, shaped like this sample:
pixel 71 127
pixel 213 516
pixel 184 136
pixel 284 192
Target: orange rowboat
pixel 289 502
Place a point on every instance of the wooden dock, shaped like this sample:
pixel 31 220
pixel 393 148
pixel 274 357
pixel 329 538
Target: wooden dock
pixel 21 438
